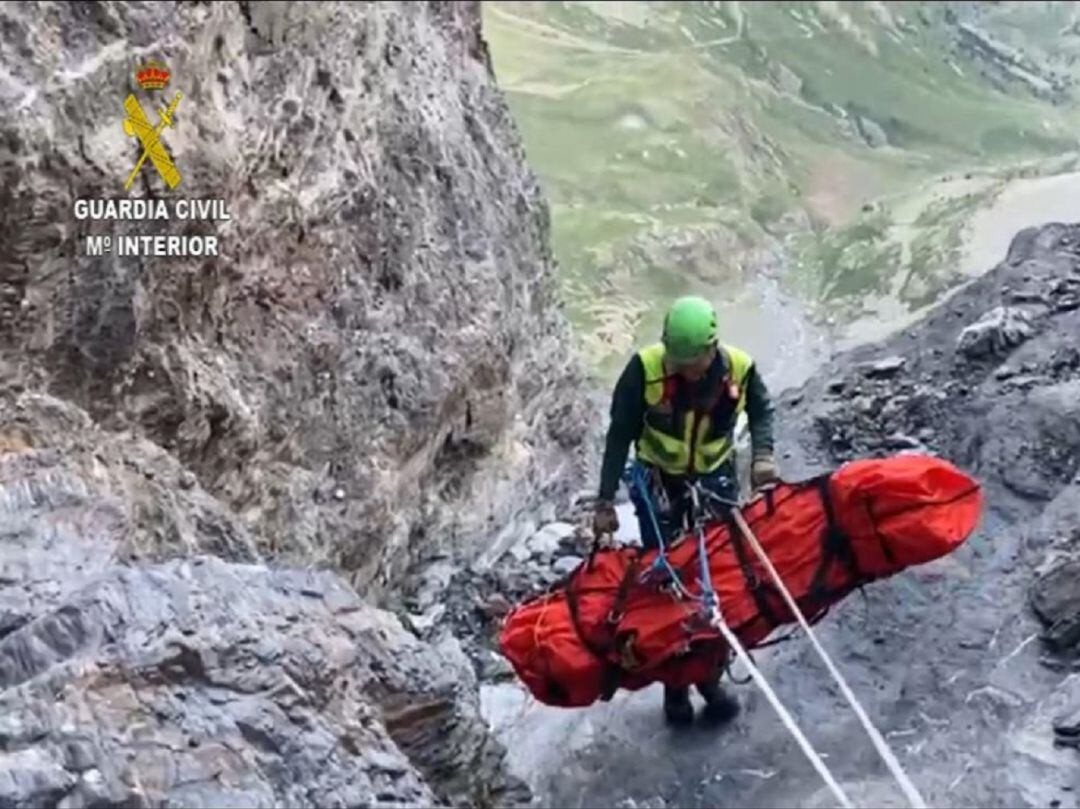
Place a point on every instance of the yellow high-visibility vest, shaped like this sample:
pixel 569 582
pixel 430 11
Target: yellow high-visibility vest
pixel 697 446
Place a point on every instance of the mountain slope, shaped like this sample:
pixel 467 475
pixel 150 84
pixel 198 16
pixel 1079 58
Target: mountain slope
pixel 701 145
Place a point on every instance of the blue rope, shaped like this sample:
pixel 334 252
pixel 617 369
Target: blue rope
pixel 636 475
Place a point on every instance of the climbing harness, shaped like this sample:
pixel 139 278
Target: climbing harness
pixel 710 612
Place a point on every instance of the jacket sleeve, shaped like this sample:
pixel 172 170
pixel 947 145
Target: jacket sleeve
pixel 759 412
pixel 627 418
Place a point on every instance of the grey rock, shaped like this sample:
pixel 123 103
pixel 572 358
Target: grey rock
pixel 1027 296
pixel 566 565
pixel 200 681
pixel 784 78
pixel 548 540
pixel 1068 726
pixel 871 132
pixel 996 333
pixel 497 667
pixel 542 544
pixel 883 368
pixel 425 622
pixel 1025 381
pixel 901 441
pixel 374 178
pixel 433 582
pixel 31 778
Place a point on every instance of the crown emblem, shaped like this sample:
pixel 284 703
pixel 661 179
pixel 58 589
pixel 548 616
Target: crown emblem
pixel 152 76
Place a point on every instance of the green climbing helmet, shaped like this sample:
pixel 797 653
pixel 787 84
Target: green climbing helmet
pixel 689 328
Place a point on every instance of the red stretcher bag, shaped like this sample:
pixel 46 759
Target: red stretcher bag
pixel 605 628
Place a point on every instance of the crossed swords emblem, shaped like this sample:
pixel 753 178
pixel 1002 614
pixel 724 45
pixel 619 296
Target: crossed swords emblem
pixel 149 136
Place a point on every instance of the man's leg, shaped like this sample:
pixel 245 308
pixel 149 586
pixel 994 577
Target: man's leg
pixel 720 706
pixel 677 707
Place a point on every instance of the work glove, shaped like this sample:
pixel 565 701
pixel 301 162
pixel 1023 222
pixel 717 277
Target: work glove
pixel 605 520
pixel 763 470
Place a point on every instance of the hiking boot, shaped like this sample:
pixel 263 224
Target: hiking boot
pixel 720 706
pixel 677 707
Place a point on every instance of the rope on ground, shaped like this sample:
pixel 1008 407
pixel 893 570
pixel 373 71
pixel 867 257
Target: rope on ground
pixel 883 749
pixel 785 717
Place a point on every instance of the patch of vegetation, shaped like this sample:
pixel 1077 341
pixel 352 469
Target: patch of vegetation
pixel 648 123
pixel 855 260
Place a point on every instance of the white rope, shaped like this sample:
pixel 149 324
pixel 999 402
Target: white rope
pixel 910 792
pixel 785 717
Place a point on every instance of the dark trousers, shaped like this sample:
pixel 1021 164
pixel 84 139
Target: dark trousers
pixel 722 482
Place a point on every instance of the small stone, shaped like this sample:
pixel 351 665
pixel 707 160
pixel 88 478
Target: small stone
pixel 497 667
pixel 546 513
pixel 497 606
pixel 339 494
pixel 584 497
pixel 883 368
pixel 901 441
pixel 1025 382
pixel 1028 297
pixel 997 332
pixel 187 479
pixel 566 565
pixel 520 552
pixel 1004 372
pixel 429 619
pixel 544 542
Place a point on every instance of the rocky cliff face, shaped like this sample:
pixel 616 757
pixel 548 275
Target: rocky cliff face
pixel 200 682
pixel 373 370
pixel 374 366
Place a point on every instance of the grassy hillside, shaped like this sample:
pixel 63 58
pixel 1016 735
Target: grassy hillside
pixel 701 145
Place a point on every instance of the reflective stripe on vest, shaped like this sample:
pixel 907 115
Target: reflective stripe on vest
pixel 662 443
